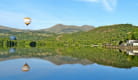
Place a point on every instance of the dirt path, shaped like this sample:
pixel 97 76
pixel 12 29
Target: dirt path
pixel 59 37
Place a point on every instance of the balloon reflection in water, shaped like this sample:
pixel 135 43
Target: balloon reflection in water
pixel 26 68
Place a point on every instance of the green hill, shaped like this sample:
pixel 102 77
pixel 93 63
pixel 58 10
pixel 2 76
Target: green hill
pixel 111 35
pixel 103 35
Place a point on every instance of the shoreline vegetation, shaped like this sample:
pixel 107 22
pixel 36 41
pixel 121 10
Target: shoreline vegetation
pixel 111 36
pixel 40 43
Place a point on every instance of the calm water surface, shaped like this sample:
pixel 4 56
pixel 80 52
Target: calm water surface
pixel 57 64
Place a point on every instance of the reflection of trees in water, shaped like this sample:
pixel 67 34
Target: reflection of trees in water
pixel 116 58
pixel 58 51
pixel 11 43
pixel 33 44
pixel 103 56
pixel 131 53
pixel 26 52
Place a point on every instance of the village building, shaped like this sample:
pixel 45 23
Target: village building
pixel 132 43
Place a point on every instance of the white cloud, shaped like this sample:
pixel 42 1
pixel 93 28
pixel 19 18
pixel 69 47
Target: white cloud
pixel 109 5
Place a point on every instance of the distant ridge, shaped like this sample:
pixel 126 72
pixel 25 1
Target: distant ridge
pixel 10 29
pixel 58 28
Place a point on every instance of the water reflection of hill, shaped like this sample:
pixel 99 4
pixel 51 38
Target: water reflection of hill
pixel 47 54
pixel 58 60
pixel 74 56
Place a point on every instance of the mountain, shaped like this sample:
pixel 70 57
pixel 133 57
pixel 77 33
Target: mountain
pixel 48 34
pixel 60 28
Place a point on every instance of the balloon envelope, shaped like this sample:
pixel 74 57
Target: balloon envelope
pixel 27 20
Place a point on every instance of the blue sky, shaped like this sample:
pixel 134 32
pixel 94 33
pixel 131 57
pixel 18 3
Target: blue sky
pixel 46 13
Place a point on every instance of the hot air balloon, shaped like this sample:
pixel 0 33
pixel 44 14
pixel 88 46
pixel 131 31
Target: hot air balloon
pixel 27 20
pixel 25 67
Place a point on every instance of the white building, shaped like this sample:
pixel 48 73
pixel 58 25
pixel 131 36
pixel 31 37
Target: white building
pixel 132 43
